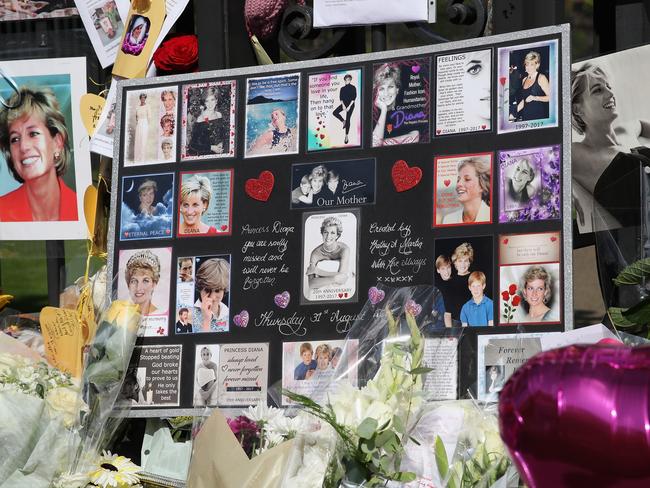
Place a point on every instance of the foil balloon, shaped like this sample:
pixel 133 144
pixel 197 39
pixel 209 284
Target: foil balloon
pixel 580 417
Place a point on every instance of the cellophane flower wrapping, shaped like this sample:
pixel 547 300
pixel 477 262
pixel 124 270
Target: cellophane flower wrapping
pixel 373 378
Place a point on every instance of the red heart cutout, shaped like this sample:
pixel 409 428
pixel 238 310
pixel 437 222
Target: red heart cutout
pixel 317 128
pixel 483 126
pixel 502 80
pixel 447 182
pixel 322 136
pixel 405 177
pixel 340 295
pixel 553 238
pixel 389 128
pixel 260 188
pixel 346 294
pixel 126 234
pixel 438 131
pixel 505 241
pixel 224 227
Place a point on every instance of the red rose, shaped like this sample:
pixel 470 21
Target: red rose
pixel 178 55
pixel 512 289
pixel 505 295
pixel 516 300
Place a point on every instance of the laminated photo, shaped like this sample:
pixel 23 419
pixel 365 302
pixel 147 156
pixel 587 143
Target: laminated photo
pixel 528 89
pixel 208 121
pixel 272 115
pixel 143 279
pixel 203 294
pixel 153 377
pixel 462 190
pixel 464 92
pixel 150 126
pixel 334 110
pixel 329 259
pixel 333 183
pixel 313 368
pixel 529 181
pixel 401 100
pixel 464 275
pixel 530 288
pixel 101 141
pixel 243 374
pixel 147 210
pixel 205 203
pixel 43 179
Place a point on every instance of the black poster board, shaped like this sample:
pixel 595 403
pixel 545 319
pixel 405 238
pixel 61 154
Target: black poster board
pixel 291 197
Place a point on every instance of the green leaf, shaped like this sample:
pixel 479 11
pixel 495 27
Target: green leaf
pixel 398 425
pixel 367 428
pixel 405 476
pixel 619 320
pixel 383 438
pixel 441 458
pixel 639 313
pixel 634 274
pixel 421 370
pixel 414 440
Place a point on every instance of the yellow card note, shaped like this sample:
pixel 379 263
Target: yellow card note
pixel 91 107
pixel 136 46
pixel 63 338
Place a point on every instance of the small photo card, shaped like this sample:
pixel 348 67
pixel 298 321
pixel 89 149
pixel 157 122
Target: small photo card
pixel 150 126
pixel 102 140
pixel 153 377
pixel 243 374
pixel 457 262
pixel 334 110
pixel 313 368
pixel 464 92
pixel 147 207
pixel 208 120
pixel 202 294
pixel 329 258
pixel 401 102
pixel 462 190
pixel 143 278
pixel 499 356
pixel 529 278
pixel 206 375
pixel 333 183
pixel 528 90
pixel 104 23
pixel 272 115
pixel 530 184
pixel 441 354
pixel 205 203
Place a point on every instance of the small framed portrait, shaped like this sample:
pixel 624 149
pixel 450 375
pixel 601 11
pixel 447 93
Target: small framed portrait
pixel 150 126
pixel 206 375
pixel 205 203
pixel 311 368
pixel 464 92
pixel 463 274
pixel 401 100
pixel 462 190
pixel 147 210
pixel 334 110
pixel 203 294
pixel 272 115
pixel 209 120
pixel 333 183
pixel 530 278
pixel 143 279
pixel 137 34
pixel 41 197
pixel 528 87
pixel 329 257
pixel 530 184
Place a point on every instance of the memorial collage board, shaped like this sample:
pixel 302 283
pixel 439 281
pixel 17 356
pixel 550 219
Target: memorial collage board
pixel 258 209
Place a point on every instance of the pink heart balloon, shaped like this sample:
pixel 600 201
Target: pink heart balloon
pixel 580 417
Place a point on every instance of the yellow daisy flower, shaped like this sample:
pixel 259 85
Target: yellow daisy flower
pixel 115 471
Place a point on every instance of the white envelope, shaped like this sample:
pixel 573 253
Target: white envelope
pixel 328 13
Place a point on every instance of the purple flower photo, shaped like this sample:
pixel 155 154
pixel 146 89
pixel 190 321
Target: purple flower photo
pixel 529 184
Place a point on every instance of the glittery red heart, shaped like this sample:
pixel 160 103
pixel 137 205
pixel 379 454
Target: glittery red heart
pixel 260 188
pixel 405 177
pixel 322 136
pixel 224 227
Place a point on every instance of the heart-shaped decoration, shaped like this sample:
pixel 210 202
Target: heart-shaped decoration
pixel 322 136
pixel 224 227
pixel 438 131
pixel 404 176
pixel 90 108
pixel 126 234
pixel 260 188
pixel 224 368
pixel 447 182
pixel 282 299
pixel 502 80
pixel 375 295
pixel 413 308
pixel 241 319
pixel 505 241
pixel 389 128
pixel 577 416
pixel 340 295
pixel 90 209
pixel 483 126
pixel 415 68
pixel 553 238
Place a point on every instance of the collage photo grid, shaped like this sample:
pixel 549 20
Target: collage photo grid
pixel 182 146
